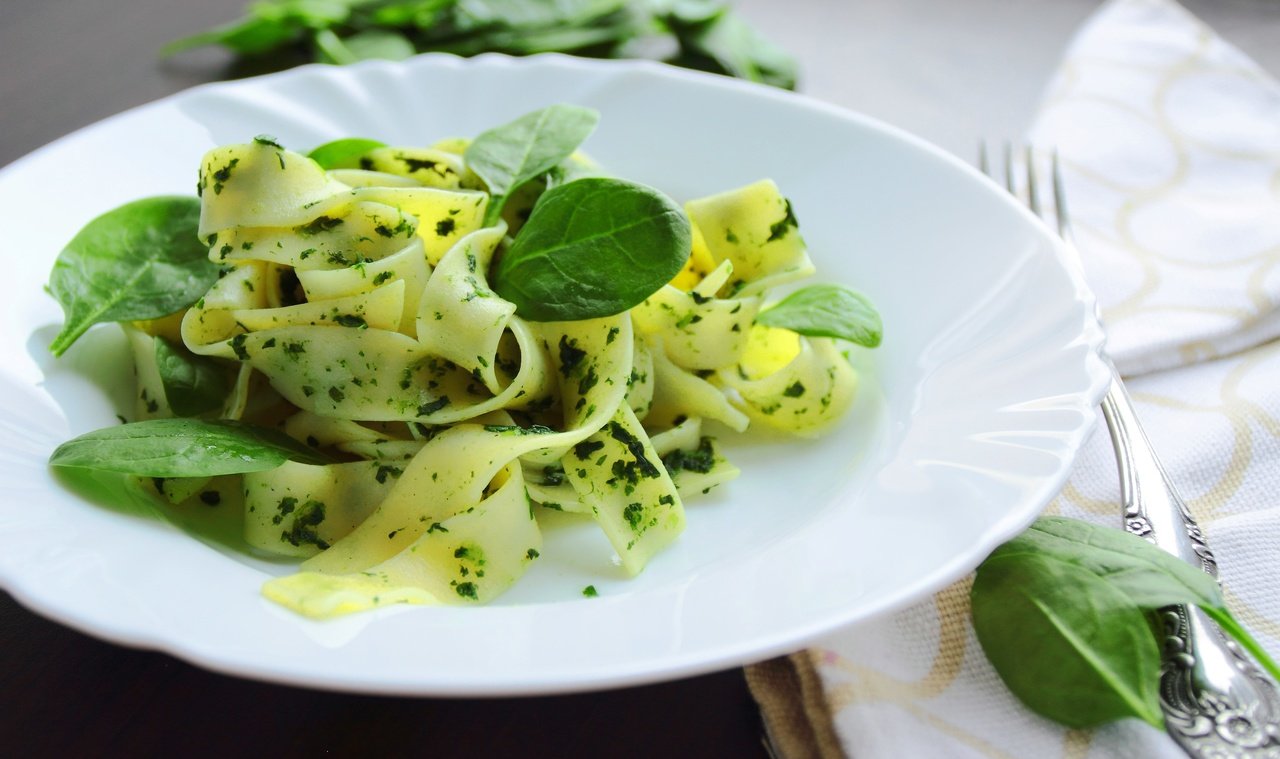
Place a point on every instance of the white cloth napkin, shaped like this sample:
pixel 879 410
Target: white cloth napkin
pixel 1170 140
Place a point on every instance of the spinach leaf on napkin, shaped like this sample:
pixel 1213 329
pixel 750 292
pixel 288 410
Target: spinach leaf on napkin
pixel 1062 613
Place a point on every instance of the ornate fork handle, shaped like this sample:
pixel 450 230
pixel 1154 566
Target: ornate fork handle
pixel 1217 702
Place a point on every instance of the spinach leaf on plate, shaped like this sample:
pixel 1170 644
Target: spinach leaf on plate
pixel 193 385
pixel 183 448
pixel 592 247
pixel 142 260
pixel 507 156
pixel 344 153
pixel 827 311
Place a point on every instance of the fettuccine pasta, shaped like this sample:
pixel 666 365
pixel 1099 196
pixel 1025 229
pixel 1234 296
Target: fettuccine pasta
pixel 357 315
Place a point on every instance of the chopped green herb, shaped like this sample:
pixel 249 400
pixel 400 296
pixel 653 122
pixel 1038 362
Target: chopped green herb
pixel 237 346
pixel 351 320
pixel 433 406
pixel 779 229
pixel 570 355
pixel 303 529
pixel 586 448
pixel 317 225
pixel 701 460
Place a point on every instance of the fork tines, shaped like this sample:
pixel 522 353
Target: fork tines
pixel 1030 191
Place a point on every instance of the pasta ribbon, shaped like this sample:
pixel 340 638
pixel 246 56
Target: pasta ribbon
pixel 348 234
pixel 699 331
pixel 620 479
pixel 262 185
pixel 448 479
pixel 355 314
pixel 805 394
pixel 754 228
pixel 426 166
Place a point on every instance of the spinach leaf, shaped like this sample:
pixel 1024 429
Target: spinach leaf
pixel 382 44
pixel 193 384
pixel 344 153
pixel 1071 572
pixel 533 14
pixel 525 27
pixel 182 448
pixel 704 34
pixel 827 311
pixel 506 157
pixel 142 260
pixel 1152 578
pixel 720 41
pixel 533 41
pixel 252 35
pixel 370 44
pixel 268 26
pixel 1068 644
pixel 593 247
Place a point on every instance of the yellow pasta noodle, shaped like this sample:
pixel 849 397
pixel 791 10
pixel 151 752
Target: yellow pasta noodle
pixel 356 304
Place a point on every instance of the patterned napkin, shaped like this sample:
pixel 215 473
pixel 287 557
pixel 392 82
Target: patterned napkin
pixel 1170 139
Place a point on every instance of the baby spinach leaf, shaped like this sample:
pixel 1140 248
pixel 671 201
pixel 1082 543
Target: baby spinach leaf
pixel 827 311
pixel 344 153
pixel 593 247
pixel 1071 646
pixel 506 157
pixel 142 260
pixel 370 44
pixel 533 14
pixel 701 34
pixel 1149 576
pixel 193 384
pixel 382 44
pixel 719 40
pixel 693 12
pixel 331 49
pixel 182 448
pixel 1071 573
pixel 252 35
pixel 1152 578
pixel 268 26
pixel 544 40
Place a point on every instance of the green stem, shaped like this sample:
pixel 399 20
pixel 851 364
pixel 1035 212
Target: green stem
pixel 333 48
pixel 493 212
pixel 1233 628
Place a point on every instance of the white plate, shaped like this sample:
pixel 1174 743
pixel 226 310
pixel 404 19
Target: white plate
pixel 969 416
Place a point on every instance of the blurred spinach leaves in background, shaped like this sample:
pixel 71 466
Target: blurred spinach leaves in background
pixel 700 34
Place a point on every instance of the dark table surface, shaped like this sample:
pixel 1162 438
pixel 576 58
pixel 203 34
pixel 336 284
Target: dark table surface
pixel 65 64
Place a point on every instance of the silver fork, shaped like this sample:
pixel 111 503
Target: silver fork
pixel 1217 701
